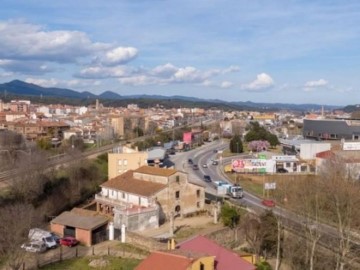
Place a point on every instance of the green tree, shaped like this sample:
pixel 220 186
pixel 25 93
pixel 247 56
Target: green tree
pixel 236 145
pixel 230 216
pixel 272 139
pixel 43 143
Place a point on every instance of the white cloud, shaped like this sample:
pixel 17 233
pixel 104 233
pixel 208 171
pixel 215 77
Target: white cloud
pixel 100 72
pixel 317 83
pixel 312 85
pixel 231 69
pixel 262 81
pixel 118 56
pixel 226 84
pixel 52 82
pixel 166 70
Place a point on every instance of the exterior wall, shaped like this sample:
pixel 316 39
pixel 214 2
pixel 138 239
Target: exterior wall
pixel 151 178
pixel 207 262
pixel 84 236
pixel 309 150
pixel 122 162
pixel 118 124
pixel 57 228
pixel 191 198
pixel 136 220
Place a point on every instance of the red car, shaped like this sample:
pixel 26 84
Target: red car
pixel 68 241
pixel 268 203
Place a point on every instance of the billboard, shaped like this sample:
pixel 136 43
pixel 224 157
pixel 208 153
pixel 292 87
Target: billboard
pixel 187 137
pixel 252 165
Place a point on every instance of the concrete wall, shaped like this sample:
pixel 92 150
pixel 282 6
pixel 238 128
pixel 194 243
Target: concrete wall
pixel 309 150
pixel 136 221
pixel 125 197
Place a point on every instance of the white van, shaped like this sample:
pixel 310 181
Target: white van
pixel 35 246
pixel 48 238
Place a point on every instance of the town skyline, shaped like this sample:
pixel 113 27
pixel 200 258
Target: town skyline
pixel 284 52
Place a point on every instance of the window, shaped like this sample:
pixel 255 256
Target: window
pixel 288 165
pixel 178 179
pixel 202 266
pixel 123 195
pixel 198 204
pixel 125 162
pixel 198 193
pixel 177 195
pixel 119 162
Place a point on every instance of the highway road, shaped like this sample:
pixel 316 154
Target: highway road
pixel 292 221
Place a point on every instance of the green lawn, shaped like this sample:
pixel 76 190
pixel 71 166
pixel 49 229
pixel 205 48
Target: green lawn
pixel 83 264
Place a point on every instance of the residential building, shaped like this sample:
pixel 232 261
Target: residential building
pixel 224 259
pixel 146 197
pixel 177 260
pixel 123 159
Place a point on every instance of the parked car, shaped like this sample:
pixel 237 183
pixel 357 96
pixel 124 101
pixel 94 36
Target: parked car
pixel 281 170
pixel 268 203
pixel 205 165
pixel 47 237
pixel 207 178
pixel 195 167
pixel 68 241
pixel 215 162
pixel 35 246
pixel 190 161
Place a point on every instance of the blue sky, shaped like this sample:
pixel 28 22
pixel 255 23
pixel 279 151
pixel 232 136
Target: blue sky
pixel 287 51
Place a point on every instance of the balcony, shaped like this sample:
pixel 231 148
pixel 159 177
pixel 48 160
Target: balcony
pixel 109 201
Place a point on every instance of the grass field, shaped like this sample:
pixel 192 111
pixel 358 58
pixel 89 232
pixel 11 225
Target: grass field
pixel 83 264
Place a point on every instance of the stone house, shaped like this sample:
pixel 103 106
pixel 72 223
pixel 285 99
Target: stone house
pixel 146 197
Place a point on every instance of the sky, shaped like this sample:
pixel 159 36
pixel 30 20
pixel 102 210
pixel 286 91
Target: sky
pixel 280 51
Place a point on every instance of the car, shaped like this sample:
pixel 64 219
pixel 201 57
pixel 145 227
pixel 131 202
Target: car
pixel 34 246
pixel 205 165
pixel 190 161
pixel 195 167
pixel 281 170
pixel 215 150
pixel 68 241
pixel 207 178
pixel 215 162
pixel 268 202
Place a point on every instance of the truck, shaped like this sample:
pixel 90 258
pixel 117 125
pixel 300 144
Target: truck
pixel 233 191
pixel 46 237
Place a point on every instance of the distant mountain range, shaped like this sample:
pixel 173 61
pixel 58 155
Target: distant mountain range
pixel 20 88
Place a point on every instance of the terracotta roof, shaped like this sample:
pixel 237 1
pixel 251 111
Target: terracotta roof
pixel 164 261
pixel 325 154
pixel 80 220
pixel 156 171
pixel 225 259
pixel 126 182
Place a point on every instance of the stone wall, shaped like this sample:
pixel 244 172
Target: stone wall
pixel 144 242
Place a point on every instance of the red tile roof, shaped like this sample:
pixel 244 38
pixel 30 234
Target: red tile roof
pixel 156 171
pixel 225 259
pixel 126 182
pixel 165 261
pixel 325 154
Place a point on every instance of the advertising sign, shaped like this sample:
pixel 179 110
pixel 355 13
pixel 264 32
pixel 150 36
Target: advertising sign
pixel 187 137
pixel 351 146
pixel 270 185
pixel 243 165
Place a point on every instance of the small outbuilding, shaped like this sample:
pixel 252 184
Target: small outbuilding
pixel 88 227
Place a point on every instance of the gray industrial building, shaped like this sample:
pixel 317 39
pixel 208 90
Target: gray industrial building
pixel 331 129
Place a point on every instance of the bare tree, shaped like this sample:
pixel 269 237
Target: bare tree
pixel 253 235
pixel 15 222
pixel 341 192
